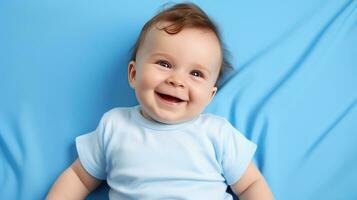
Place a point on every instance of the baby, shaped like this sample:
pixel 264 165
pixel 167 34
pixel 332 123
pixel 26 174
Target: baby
pixel 165 148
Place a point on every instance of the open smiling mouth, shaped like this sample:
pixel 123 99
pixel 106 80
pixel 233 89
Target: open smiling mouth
pixel 169 98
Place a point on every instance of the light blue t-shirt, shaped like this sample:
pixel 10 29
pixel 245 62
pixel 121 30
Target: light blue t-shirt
pixel 142 159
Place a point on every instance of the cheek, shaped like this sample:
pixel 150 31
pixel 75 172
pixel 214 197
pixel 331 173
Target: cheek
pixel 144 81
pixel 200 94
pixel 148 79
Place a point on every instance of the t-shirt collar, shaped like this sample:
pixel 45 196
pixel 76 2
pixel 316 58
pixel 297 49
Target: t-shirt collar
pixel 139 118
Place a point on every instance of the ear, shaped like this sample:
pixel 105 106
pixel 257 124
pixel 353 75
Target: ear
pixel 213 93
pixel 131 73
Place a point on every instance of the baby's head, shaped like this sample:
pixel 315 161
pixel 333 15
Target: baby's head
pixel 176 64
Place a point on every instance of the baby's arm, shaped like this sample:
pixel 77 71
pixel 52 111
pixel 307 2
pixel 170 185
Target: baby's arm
pixel 252 186
pixel 74 183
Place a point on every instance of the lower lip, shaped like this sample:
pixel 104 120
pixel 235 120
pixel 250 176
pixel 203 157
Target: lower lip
pixel 167 102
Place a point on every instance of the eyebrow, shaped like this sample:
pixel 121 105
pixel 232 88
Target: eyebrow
pixel 162 54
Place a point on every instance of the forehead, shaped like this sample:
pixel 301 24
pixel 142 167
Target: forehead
pixel 190 45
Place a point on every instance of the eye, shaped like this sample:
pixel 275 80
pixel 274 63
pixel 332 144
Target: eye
pixel 197 73
pixel 164 63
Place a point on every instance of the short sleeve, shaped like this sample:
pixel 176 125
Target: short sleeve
pixel 91 153
pixel 238 152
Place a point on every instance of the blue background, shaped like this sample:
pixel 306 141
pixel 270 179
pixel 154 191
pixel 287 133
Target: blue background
pixel 294 92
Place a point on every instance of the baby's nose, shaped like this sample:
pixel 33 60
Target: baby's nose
pixel 174 81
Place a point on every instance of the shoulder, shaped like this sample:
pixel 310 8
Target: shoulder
pixel 114 122
pixel 215 127
pixel 117 117
pixel 218 126
pixel 211 120
pixel 118 113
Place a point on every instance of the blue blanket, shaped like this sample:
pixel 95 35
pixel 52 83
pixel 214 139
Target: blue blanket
pixel 293 92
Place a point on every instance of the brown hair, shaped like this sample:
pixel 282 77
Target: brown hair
pixel 184 15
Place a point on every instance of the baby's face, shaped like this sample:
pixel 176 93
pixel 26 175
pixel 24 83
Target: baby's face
pixel 174 75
